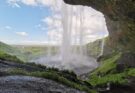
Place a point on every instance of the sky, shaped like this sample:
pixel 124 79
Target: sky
pixel 32 22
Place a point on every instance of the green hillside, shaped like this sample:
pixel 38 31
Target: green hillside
pixel 35 51
pixel 94 48
pixel 26 53
pixel 8 49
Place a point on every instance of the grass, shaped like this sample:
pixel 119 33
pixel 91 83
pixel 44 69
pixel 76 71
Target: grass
pixel 107 65
pixel 118 78
pixel 93 48
pixel 110 78
pixel 8 57
pixel 34 52
pixel 131 72
pixel 11 50
pixel 27 53
pixel 8 49
pixel 107 73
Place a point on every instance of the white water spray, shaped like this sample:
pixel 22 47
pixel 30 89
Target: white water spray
pixel 77 58
pixel 73 50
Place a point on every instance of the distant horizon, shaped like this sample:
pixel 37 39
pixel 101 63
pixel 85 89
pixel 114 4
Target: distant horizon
pixel 37 44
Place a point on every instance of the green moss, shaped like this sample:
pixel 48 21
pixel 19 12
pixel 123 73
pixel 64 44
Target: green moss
pixel 53 76
pixel 107 65
pixel 107 73
pixel 110 78
pixel 131 72
pixel 118 78
pixel 18 71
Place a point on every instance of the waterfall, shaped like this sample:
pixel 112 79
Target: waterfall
pixel 48 47
pixel 81 30
pixel 73 54
pixel 73 50
pixel 67 28
pixel 102 47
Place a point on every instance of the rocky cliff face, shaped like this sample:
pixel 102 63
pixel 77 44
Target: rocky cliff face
pixel 120 19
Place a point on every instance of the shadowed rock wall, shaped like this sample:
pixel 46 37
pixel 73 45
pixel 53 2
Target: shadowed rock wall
pixel 120 19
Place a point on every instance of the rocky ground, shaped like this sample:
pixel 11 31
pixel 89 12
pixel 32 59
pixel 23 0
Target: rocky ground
pixel 26 84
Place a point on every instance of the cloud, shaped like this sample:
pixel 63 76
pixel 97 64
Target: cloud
pixel 45 2
pixel 13 3
pixel 8 27
pixel 29 2
pixel 16 3
pixel 48 20
pixel 22 33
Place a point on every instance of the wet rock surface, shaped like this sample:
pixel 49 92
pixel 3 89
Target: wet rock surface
pixel 6 65
pixel 127 60
pixel 127 88
pixel 26 84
